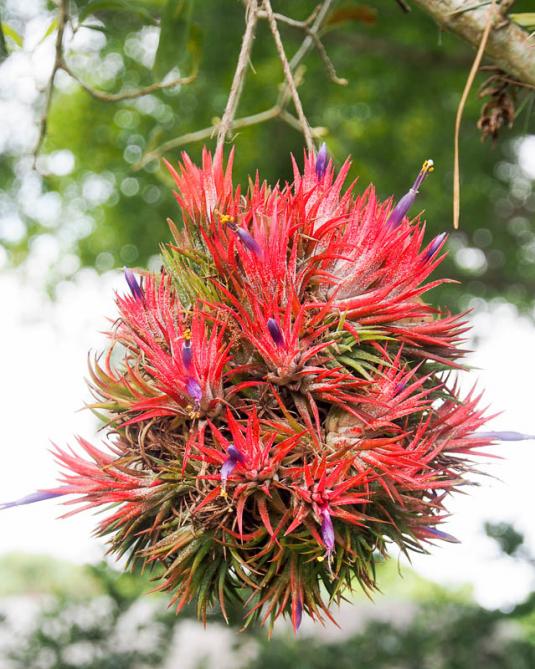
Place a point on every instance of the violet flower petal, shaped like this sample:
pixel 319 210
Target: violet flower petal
pixel 322 158
pixel 399 388
pixel 327 530
pixel 227 468
pixel 298 613
pixel 187 354
pixel 235 456
pixel 33 497
pixel 435 245
pixel 194 389
pixel 248 241
pixel 444 536
pixel 400 210
pixel 133 284
pixel 405 203
pixel 505 435
pixel 275 332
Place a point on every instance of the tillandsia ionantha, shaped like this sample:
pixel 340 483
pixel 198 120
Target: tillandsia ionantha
pixel 279 396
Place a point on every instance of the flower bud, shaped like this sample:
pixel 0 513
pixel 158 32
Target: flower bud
pixel 405 203
pixel 275 332
pixel 133 284
pixel 322 159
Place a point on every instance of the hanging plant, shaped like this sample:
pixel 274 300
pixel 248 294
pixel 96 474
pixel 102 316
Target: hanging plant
pixel 279 399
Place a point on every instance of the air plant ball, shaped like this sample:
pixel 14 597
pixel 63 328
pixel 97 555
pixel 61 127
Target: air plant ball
pixel 282 413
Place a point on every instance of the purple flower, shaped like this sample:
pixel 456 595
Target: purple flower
pixel 435 245
pixel 133 284
pixel 275 332
pixel 444 536
pixel 504 436
pixel 327 530
pixel 234 457
pixel 194 389
pixel 399 388
pixel 322 158
pixel 38 496
pixel 298 613
pixel 187 354
pixel 248 241
pixel 405 203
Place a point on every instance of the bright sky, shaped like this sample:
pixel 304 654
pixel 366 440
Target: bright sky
pixel 44 362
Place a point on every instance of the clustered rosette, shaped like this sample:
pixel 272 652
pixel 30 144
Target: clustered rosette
pixel 279 396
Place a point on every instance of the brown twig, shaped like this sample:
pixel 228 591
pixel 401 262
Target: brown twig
pixel 311 32
pixel 62 22
pixel 237 124
pixel 251 18
pixel 60 64
pixel 305 127
pixel 327 62
pixel 460 109
pixel 509 80
pixel 404 6
pixel 309 39
pixel 206 133
pixel 278 110
pixel 128 94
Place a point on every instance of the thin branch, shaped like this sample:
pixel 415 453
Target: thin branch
pixel 289 77
pixel 62 22
pixel 278 110
pixel 294 23
pixel 128 94
pixel 309 40
pixel 206 133
pixel 504 78
pixel 329 65
pixel 294 122
pixel 313 33
pixel 460 109
pixel 404 6
pixel 251 18
pixel 237 124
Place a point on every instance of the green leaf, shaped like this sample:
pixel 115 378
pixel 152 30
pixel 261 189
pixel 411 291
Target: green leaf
pixel 524 19
pixel 51 28
pixel 9 32
pixel 97 6
pixel 174 36
pixel 3 48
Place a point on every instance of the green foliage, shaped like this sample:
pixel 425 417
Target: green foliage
pixel 423 627
pixel 404 83
pixel 174 36
pixel 449 636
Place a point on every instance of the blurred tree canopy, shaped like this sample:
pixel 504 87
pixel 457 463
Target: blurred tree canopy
pixel 98 618
pixel 94 203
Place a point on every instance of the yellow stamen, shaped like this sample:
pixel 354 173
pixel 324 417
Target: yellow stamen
pixel 428 166
pixel 226 218
pixel 187 334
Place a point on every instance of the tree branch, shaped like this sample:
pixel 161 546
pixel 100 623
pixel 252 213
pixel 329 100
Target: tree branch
pixel 277 111
pixel 251 18
pixel 206 133
pixel 58 58
pixel 128 94
pixel 305 127
pixel 508 45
